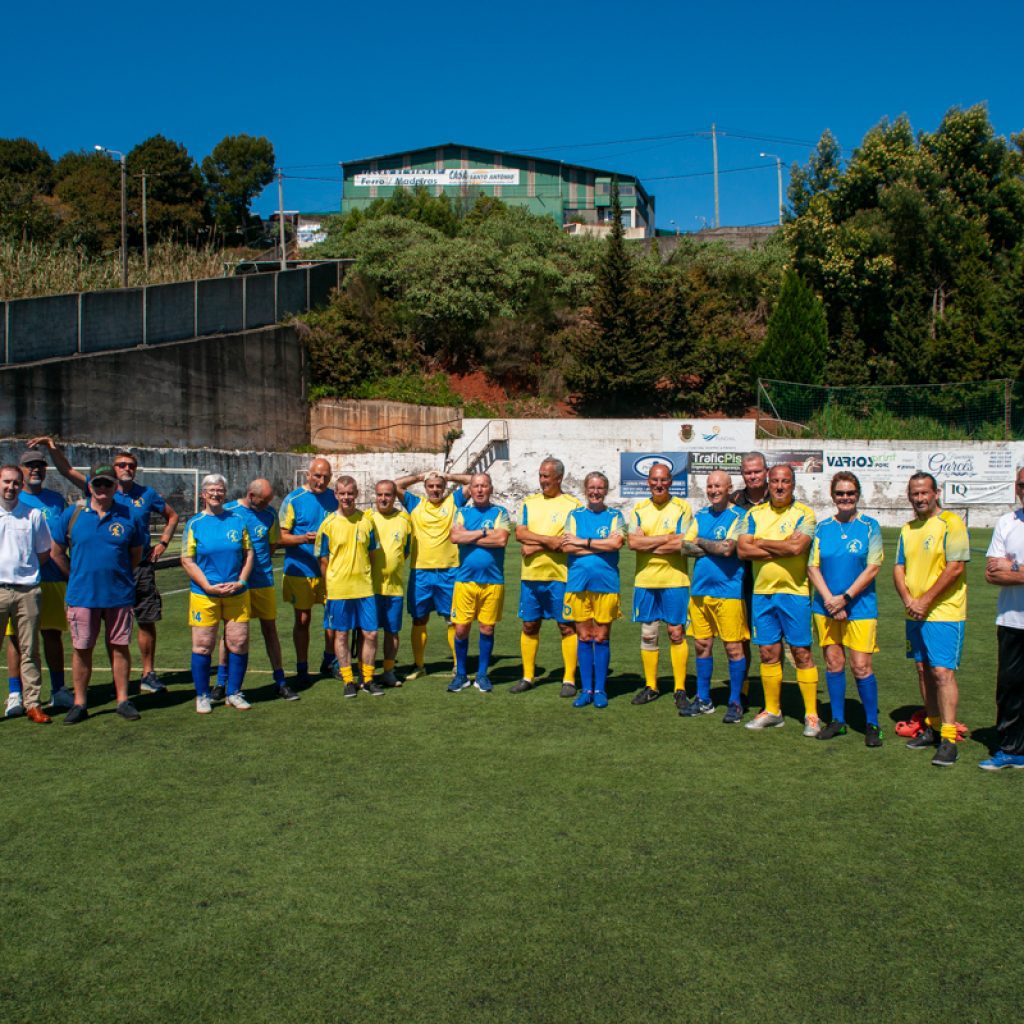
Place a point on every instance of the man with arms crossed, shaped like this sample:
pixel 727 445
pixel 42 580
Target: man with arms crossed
pixel 716 599
pixel 302 513
pixel 481 531
pixel 25 544
pixel 929 575
pixel 660 530
pixel 545 567
pixel 776 536
pixel 261 523
pixel 343 545
pixel 393 530
pixel 434 556
pixel 1003 569
pixel 754 470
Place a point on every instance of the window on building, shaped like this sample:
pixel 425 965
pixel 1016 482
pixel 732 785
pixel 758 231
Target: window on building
pixel 626 189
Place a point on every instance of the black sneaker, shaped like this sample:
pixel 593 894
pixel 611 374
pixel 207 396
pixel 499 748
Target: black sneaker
pixel 374 689
pixel 682 701
pixel 522 686
pixel 351 690
pixel 645 696
pixel 287 693
pixel 568 689
pixel 126 709
pixel 946 755
pixel 926 738
pixel 218 693
pixel 78 713
pixel 832 730
pixel 872 736
pixel 152 683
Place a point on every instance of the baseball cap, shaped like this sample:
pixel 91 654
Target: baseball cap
pixel 30 455
pixel 103 471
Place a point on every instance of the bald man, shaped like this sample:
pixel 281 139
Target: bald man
pixel 302 512
pixel 265 535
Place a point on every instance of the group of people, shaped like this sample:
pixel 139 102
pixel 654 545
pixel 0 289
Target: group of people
pixel 756 554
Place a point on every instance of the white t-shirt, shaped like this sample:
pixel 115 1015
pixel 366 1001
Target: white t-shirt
pixel 1008 542
pixel 24 536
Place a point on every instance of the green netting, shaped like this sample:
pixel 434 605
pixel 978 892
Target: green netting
pixel 979 410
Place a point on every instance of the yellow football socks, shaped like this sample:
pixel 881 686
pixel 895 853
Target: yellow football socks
pixel 367 673
pixel 419 644
pixel 948 731
pixel 451 641
pixel 528 646
pixel 771 680
pixel 680 656
pixel 569 656
pixel 649 660
pixel 933 721
pixel 807 680
pixel 346 674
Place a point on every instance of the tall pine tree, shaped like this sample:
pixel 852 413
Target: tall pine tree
pixel 796 345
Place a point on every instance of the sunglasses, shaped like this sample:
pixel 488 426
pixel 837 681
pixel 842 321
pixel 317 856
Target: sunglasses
pixel 124 465
pixel 844 494
pixel 102 483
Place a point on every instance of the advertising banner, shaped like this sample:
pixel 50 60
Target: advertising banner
pixel 708 462
pixel 634 467
pixel 802 460
pixel 704 433
pixel 446 177
pixel 977 492
pixel 962 464
pixel 872 462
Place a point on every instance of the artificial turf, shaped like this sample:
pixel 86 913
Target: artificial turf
pixel 434 857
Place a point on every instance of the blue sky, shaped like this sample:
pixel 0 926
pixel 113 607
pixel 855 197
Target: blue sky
pixel 334 82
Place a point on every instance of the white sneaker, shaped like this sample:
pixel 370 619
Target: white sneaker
pixel 15 706
pixel 418 672
pixel 766 720
pixel 812 725
pixel 238 701
pixel 203 706
pixel 62 698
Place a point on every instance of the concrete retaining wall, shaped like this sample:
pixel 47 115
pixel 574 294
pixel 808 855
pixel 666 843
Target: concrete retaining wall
pixel 245 390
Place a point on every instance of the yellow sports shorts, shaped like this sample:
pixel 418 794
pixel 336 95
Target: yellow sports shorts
pixel 303 591
pixel 204 610
pixel 263 603
pixel 51 608
pixel 724 617
pixel 478 602
pixel 584 605
pixel 856 634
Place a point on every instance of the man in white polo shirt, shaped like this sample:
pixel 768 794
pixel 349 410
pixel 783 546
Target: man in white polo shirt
pixel 24 548
pixel 1004 569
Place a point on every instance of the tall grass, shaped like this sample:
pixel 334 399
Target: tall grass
pixel 878 423
pixel 28 270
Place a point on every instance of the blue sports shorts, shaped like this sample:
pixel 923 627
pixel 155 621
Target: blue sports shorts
pixel 936 643
pixel 389 612
pixel 351 613
pixel 541 599
pixel 430 590
pixel 670 605
pixel 778 617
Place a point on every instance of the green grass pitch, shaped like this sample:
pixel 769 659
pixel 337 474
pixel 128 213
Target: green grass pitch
pixel 430 857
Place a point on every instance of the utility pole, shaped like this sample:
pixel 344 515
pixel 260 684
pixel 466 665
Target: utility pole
pixel 778 171
pixel 124 209
pixel 145 232
pixel 714 151
pixel 280 217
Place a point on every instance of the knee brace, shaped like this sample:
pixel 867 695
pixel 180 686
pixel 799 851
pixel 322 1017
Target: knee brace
pixel 649 636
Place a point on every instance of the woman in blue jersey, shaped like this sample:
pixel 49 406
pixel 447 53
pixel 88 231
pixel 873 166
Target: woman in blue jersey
pixel 218 557
pixel 844 561
pixel 593 537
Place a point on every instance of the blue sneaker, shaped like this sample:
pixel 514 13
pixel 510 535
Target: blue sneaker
pixel 483 684
pixel 697 707
pixel 600 699
pixel 458 683
pixel 1000 759
pixel 733 714
pixel 586 697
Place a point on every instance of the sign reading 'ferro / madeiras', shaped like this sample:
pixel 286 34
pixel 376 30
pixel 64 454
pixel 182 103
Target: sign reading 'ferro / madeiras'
pixel 446 177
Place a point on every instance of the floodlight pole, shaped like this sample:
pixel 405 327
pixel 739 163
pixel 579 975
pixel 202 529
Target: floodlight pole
pixel 124 210
pixel 280 217
pixel 778 171
pixel 714 153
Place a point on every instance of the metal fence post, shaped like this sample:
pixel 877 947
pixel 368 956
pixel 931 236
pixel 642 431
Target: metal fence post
pixel 245 299
pixel 79 345
pixel 145 315
pixel 195 309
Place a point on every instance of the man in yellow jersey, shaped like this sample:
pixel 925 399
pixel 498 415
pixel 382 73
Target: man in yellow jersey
pixel 545 567
pixel 929 576
pixel 434 557
pixel 393 530
pixel 343 545
pixel 776 537
pixel 661 529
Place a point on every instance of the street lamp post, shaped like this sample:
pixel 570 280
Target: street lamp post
pixel 124 210
pixel 778 171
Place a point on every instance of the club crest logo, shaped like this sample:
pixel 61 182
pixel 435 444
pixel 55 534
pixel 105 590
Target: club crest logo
pixel 855 547
pixel 116 530
pixel 261 532
pixel 686 432
pixel 602 532
pixel 719 533
pixel 137 502
pixel 928 542
pixel 234 536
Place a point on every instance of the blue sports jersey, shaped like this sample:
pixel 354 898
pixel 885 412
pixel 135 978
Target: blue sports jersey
pixel 842 551
pixel 477 564
pixel 262 527
pixel 51 504
pixel 302 511
pixel 596 571
pixel 713 575
pixel 143 501
pixel 101 561
pixel 217 544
